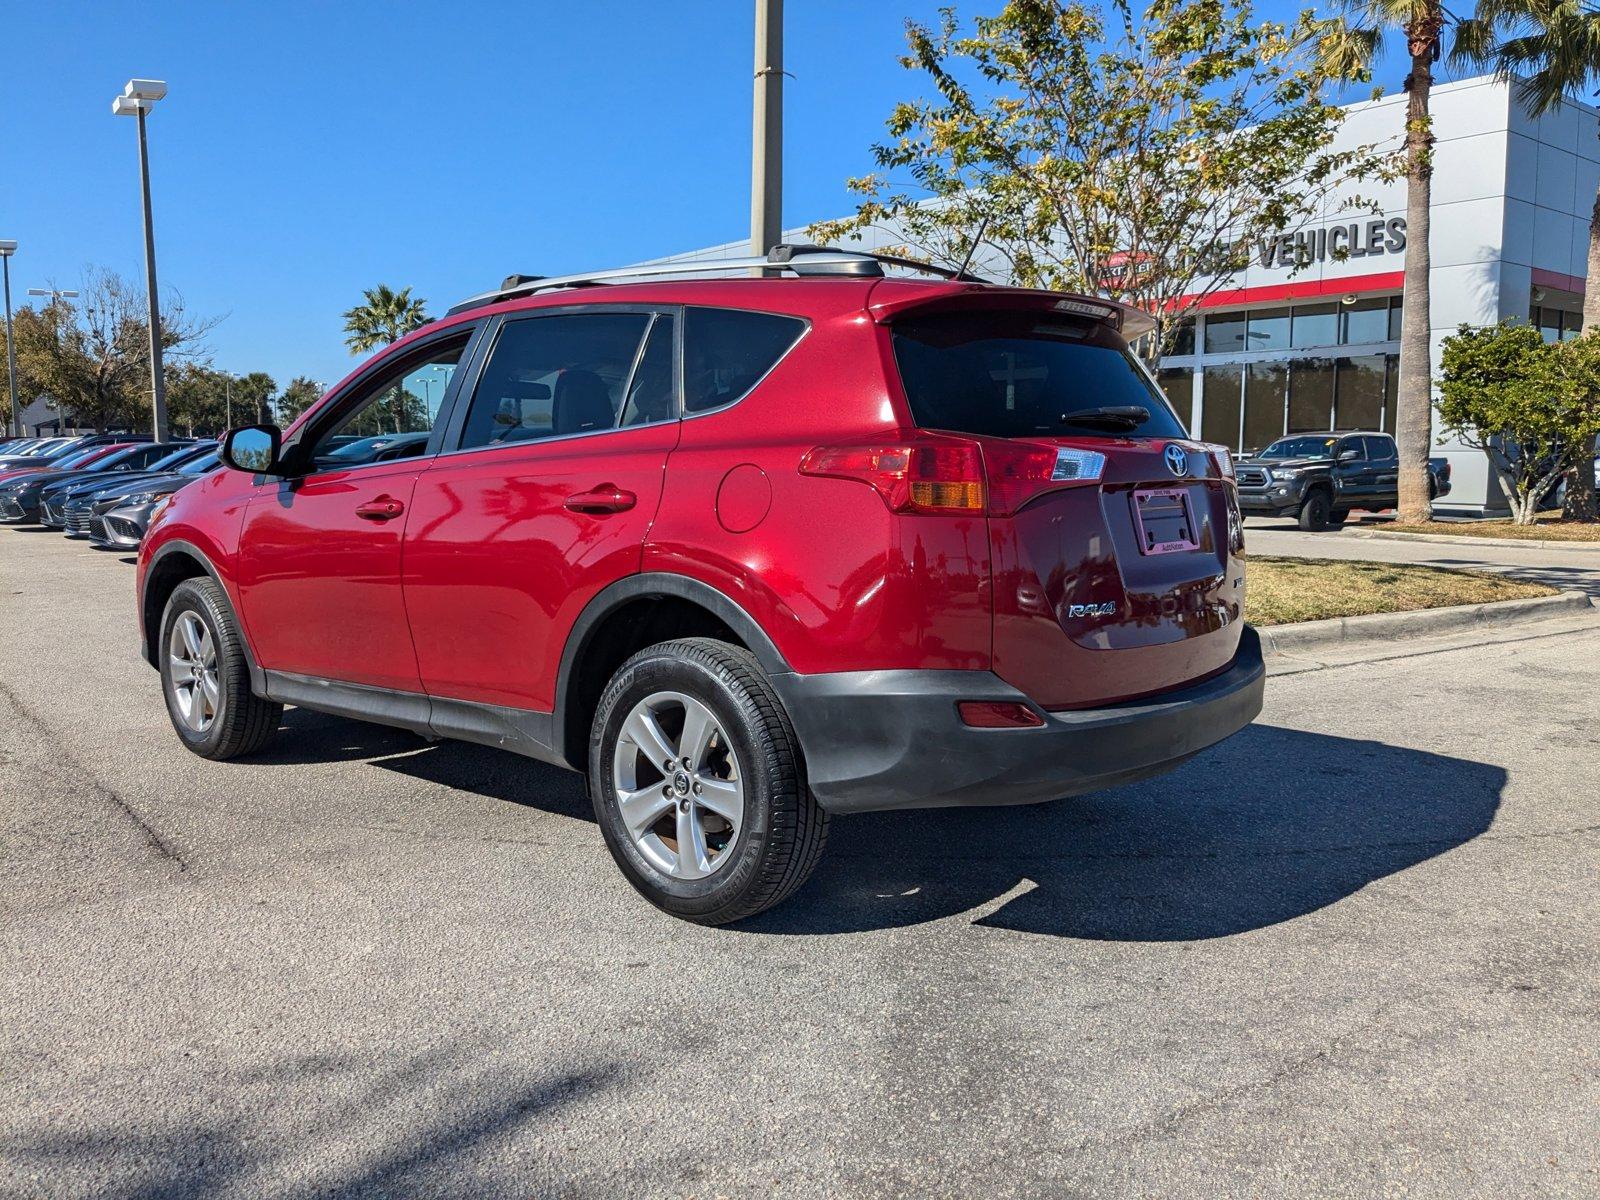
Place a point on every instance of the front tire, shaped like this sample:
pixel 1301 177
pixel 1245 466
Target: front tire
pixel 205 676
pixel 1314 512
pixel 698 783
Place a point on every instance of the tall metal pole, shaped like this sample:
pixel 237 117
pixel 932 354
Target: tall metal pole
pixel 14 421
pixel 766 159
pixel 158 383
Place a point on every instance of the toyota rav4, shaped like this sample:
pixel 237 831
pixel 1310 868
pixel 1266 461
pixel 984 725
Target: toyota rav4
pixel 748 551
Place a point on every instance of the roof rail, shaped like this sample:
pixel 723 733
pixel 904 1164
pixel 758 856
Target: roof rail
pixel 798 259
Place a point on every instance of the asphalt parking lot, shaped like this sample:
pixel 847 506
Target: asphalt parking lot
pixel 1353 952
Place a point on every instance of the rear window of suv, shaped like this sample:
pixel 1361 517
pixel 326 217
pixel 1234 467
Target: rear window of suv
pixel 727 352
pixel 1020 374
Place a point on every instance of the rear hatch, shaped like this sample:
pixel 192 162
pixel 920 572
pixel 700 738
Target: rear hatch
pixel 1115 540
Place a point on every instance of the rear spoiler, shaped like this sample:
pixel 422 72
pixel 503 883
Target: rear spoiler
pixel 889 302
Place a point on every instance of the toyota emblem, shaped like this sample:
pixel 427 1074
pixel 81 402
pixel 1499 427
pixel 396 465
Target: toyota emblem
pixel 1177 459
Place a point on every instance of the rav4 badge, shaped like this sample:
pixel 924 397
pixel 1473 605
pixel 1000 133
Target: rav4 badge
pixel 1107 609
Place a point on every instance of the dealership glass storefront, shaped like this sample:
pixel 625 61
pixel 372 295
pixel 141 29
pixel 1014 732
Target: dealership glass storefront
pixel 1244 378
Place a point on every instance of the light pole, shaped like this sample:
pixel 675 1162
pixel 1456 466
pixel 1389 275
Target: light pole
pixel 766 159
pixel 138 97
pixel 13 427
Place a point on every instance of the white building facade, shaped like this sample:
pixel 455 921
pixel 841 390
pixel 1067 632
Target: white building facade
pixel 1287 349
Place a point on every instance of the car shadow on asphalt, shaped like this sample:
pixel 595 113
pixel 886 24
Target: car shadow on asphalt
pixel 1269 826
pixel 313 737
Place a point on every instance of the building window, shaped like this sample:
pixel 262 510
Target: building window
pixel 1178 384
pixel 1366 321
pixel 1266 391
pixel 1225 334
pixel 1361 392
pixel 1269 329
pixel 1316 325
pixel 1555 324
pixel 1183 339
pixel 1310 394
pixel 1220 387
pixel 1391 391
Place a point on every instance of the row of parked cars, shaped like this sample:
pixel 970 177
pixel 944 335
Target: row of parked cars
pixel 103 487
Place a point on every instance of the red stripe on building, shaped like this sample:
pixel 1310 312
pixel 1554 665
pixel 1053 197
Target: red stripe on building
pixel 1311 289
pixel 1555 279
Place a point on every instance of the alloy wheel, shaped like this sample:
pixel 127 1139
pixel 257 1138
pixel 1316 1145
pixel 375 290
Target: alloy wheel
pixel 192 668
pixel 678 785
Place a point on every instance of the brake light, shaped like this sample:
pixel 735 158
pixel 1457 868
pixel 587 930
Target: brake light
pixel 1019 471
pixel 942 474
pixel 937 475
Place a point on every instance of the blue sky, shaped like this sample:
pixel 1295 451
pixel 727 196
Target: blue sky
pixel 307 151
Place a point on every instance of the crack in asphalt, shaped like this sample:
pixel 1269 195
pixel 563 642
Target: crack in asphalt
pixel 152 837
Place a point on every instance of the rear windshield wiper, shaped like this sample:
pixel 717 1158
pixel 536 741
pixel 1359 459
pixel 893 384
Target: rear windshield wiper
pixel 1111 416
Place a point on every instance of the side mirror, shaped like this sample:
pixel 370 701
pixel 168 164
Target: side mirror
pixel 253 448
pixel 1349 455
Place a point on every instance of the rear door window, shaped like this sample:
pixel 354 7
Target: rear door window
pixel 1020 374
pixel 1380 449
pixel 728 351
pixel 572 373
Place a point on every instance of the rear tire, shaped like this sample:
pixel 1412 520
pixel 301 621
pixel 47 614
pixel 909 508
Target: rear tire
pixel 1314 512
pixel 754 833
pixel 205 675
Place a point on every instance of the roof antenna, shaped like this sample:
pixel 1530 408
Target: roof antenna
pixel 973 249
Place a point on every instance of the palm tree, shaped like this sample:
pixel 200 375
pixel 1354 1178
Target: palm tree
pixel 385 317
pixel 1547 50
pixel 1347 45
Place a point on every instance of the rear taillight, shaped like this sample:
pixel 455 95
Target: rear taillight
pixel 936 475
pixel 1223 459
pixel 941 474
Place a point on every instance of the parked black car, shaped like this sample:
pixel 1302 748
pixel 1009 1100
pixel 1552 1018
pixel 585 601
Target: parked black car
pixel 131 502
pixel 53 498
pixel 1320 477
pixel 20 498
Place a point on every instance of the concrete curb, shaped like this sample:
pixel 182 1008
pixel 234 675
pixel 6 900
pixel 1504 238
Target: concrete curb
pixel 1304 636
pixel 1445 539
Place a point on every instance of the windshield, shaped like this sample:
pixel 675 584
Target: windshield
pixel 72 460
pixel 1022 374
pixel 168 461
pixel 1301 447
pixel 201 465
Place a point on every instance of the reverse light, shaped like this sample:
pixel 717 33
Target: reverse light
pixel 1223 459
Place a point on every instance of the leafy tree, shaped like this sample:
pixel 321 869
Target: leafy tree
pixel 1523 402
pixel 252 397
pixel 196 398
pixel 384 317
pixel 1549 51
pixel 1143 155
pixel 1348 44
pixel 300 395
pixel 91 355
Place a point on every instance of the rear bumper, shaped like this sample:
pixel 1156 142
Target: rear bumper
pixel 893 739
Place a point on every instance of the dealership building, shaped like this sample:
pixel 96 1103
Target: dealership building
pixel 1287 348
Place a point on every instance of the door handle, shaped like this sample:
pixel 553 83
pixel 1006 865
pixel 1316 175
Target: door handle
pixel 607 498
pixel 384 508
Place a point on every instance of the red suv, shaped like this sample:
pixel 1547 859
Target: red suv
pixel 749 551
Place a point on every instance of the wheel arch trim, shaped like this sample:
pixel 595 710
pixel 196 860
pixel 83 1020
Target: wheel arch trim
pixel 658 583
pixel 152 635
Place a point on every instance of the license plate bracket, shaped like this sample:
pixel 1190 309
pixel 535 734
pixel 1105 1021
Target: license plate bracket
pixel 1164 519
